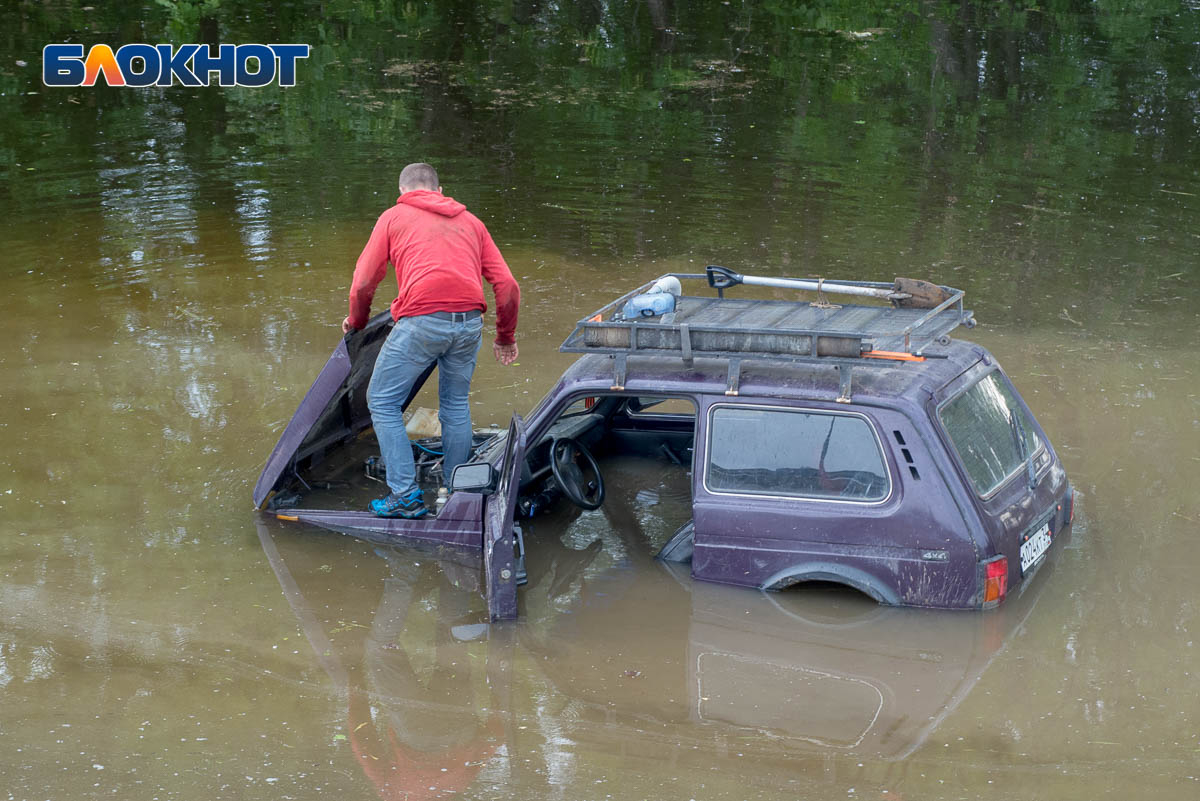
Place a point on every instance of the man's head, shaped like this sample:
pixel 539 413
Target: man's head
pixel 419 176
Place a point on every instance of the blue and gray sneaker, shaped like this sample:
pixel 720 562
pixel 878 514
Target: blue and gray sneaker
pixel 410 506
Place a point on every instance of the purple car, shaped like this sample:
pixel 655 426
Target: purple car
pixel 853 444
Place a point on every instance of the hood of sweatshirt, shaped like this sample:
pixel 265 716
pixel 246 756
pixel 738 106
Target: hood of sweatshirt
pixel 429 200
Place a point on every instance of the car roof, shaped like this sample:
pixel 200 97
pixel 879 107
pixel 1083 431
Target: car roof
pixel 883 382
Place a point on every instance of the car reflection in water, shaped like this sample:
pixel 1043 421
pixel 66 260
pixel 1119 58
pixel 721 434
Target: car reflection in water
pixel 611 642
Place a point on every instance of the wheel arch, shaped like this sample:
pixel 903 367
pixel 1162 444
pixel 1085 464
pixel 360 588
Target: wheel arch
pixel 853 577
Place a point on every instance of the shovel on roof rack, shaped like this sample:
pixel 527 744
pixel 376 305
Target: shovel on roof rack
pixel 905 292
pixel 795 331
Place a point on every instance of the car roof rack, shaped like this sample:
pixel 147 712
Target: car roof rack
pixel 737 329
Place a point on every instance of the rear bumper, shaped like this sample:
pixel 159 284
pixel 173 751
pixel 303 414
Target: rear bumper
pixel 1057 519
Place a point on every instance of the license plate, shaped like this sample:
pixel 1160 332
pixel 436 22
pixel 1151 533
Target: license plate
pixel 1033 548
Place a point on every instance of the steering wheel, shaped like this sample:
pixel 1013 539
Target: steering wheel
pixel 565 455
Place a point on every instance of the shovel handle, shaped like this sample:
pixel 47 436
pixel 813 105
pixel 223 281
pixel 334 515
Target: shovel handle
pixel 721 277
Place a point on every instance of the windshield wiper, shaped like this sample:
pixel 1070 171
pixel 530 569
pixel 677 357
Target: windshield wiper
pixel 1018 432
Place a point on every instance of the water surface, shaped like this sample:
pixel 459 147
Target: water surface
pixel 175 266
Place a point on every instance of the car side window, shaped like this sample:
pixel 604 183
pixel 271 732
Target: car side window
pixel 577 407
pixel 660 406
pixel 802 454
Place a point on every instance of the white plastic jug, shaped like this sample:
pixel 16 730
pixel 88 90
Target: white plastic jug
pixel 648 305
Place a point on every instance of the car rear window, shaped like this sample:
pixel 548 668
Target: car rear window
pixel 983 422
pixel 758 451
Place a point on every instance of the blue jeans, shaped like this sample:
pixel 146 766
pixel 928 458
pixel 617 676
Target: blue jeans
pixel 414 344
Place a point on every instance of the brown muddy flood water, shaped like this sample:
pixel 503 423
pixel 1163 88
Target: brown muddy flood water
pixel 174 269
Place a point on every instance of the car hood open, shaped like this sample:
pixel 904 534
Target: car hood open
pixel 333 411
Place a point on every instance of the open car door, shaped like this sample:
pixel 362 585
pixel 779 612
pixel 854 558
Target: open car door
pixel 498 557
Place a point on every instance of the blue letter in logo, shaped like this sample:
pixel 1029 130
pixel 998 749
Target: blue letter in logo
pixel 62 65
pixel 150 61
pixel 288 53
pixel 176 65
pixel 225 63
pixel 266 65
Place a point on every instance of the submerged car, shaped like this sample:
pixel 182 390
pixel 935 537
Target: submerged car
pixel 853 444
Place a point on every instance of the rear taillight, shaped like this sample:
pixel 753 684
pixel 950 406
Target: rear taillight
pixel 995 581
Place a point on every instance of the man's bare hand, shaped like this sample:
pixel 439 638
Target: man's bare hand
pixel 346 327
pixel 505 354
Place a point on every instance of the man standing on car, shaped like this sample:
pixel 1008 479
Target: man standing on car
pixel 441 253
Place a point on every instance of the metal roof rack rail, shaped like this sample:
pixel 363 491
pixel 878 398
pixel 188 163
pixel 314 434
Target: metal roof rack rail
pixel 817 332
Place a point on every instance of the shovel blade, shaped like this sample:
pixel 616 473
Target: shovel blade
pixel 924 295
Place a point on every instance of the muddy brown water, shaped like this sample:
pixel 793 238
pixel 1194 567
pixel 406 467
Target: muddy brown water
pixel 174 269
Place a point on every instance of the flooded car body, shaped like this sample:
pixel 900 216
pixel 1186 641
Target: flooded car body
pixel 857 445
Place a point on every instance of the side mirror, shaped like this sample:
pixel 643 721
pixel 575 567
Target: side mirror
pixel 478 477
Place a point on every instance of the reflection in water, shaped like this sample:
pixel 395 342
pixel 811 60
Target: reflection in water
pixel 422 724
pixel 439 702
pixel 254 212
pixel 419 687
pixel 149 208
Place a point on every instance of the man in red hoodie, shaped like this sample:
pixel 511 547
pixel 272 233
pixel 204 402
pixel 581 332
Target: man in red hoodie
pixel 441 253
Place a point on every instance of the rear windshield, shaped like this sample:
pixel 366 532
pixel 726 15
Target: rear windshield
pixel 984 424
pixel 801 454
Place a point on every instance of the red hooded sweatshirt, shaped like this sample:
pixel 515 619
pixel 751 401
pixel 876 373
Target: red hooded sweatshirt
pixel 441 253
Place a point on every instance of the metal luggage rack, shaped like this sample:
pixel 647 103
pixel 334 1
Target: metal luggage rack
pixel 793 331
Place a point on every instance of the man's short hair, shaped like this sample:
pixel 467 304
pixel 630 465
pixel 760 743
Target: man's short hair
pixel 419 176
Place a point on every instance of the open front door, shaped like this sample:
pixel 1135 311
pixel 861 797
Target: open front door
pixel 498 561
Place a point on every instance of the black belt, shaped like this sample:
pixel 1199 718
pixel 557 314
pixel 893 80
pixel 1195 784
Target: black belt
pixel 456 317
